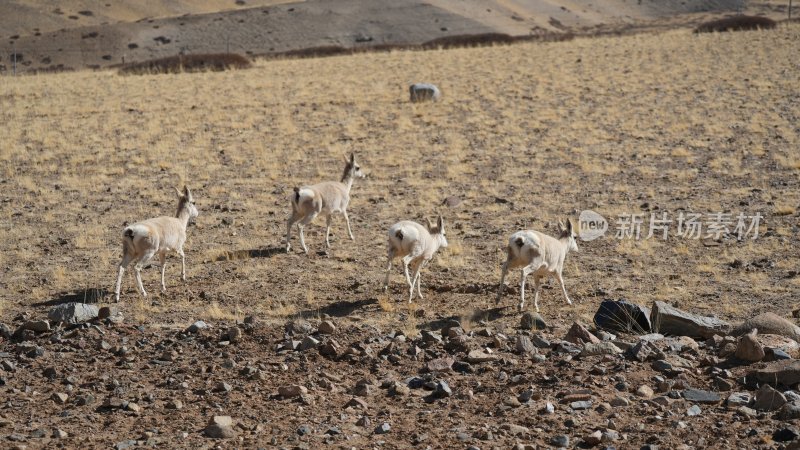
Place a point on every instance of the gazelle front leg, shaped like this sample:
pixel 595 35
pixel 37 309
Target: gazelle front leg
pixel 502 282
pixel 162 257
pixel 347 221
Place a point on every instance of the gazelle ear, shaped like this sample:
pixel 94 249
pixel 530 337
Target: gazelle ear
pixel 188 193
pixel 352 158
pixel 428 224
pixel 560 225
pixel 178 191
pixel 569 226
pixel 440 224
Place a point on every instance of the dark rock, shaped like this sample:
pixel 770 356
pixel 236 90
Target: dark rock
pixel 383 428
pixel 623 316
pixel 524 345
pixel 781 373
pixel 789 411
pixel 73 313
pixel 196 327
pixel 579 335
pixel 701 396
pixel 532 321
pixel 668 320
pixel 560 441
pixel 785 434
pixel 768 399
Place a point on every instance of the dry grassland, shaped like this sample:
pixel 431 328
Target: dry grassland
pixel 525 135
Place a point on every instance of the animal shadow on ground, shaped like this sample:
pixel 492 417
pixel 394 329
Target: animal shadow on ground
pixel 338 309
pixel 234 255
pixel 88 295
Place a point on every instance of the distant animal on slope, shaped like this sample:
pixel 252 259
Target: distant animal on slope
pixel 143 240
pixel 324 198
pixel 416 245
pixel 538 254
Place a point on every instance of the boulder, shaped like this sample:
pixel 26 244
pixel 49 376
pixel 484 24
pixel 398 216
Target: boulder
pixel 778 373
pixel 769 323
pixel 420 92
pixel 749 349
pixel 768 399
pixel 578 334
pixel 670 320
pixel 220 427
pixel 532 321
pixel 623 316
pixel 73 313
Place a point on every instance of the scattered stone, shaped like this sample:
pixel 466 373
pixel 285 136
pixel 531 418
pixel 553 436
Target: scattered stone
pixel 532 321
pixel 701 396
pixel 220 427
pixel 593 438
pixel 694 410
pixel 560 441
pixel 600 348
pixel 548 408
pixel 59 397
pixel 643 351
pixel 59 434
pixel 515 430
pixel 442 390
pixel 223 387
pixel 383 428
pixel 420 92
pixel 768 399
pixel 623 316
pixel 399 389
pixel 234 334
pixel 133 407
pixel 478 356
pixel 749 349
pixel 747 411
pixel 644 391
pixel 327 327
pixel 578 334
pixel 581 405
pixel 37 326
pixel 174 404
pixel 73 313
pixel 357 402
pixel 441 365
pixel 196 327
pixel 308 343
pixel 785 434
pixel 738 399
pixel 298 327
pixel 789 411
pixel 669 320
pixel 769 323
pixel 292 391
pixel 620 401
pixel 524 345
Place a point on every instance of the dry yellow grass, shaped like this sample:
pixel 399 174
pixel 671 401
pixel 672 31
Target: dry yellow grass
pixel 525 135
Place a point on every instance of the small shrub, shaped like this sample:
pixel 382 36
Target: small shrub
pixel 736 23
pixel 214 62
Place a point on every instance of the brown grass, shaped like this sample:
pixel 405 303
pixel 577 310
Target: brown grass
pixel 526 134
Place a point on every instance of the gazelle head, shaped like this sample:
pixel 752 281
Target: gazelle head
pixel 351 169
pixel 438 231
pixel 567 232
pixel 186 201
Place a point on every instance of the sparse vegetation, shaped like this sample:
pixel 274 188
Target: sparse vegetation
pixel 187 63
pixel 736 23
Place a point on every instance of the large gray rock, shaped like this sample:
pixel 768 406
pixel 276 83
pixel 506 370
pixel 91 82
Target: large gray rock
pixel 669 320
pixel 420 92
pixel 769 323
pixel 73 313
pixel 778 373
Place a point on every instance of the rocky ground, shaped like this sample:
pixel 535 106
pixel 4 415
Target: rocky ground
pixel 106 382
